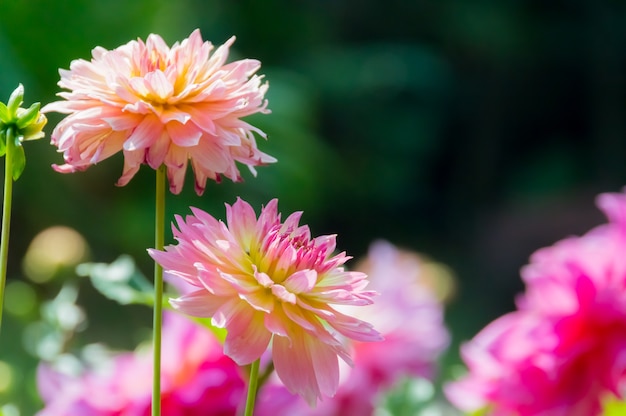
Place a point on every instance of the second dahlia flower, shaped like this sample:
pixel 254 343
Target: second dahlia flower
pixel 269 283
pixel 161 105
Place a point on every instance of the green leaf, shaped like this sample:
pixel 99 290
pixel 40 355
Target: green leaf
pixel 480 412
pixel 15 100
pixel 120 281
pixel 220 333
pixel 29 116
pixel 19 158
pixel 3 140
pixel 614 407
pixel 4 113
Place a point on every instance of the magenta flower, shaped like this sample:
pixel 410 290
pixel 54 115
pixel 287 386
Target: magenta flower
pixel 162 105
pixel 409 317
pixel 197 380
pixel 269 282
pixel 564 351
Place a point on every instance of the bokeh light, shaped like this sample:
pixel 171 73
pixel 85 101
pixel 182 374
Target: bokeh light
pixel 6 377
pixel 52 250
pixel 20 298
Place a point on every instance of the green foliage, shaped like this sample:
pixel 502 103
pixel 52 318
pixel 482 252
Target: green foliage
pixel 9 410
pixel 614 407
pixel 414 397
pixel 120 281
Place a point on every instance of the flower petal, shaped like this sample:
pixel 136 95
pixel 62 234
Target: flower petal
pixel 306 366
pixel 184 135
pixel 301 281
pixel 247 338
pixel 199 303
pixel 145 134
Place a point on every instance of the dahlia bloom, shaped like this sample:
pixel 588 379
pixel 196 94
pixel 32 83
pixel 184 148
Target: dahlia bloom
pixel 161 105
pixel 268 281
pixel 410 318
pixel 197 380
pixel 563 352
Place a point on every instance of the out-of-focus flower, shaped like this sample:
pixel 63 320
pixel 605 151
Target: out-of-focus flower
pixel 410 318
pixel 197 379
pixel 162 105
pixel 564 351
pixel 267 281
pixel 17 125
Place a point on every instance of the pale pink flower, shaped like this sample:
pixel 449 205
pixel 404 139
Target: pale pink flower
pixel 197 379
pixel 410 318
pixel 162 105
pixel 268 282
pixel 564 351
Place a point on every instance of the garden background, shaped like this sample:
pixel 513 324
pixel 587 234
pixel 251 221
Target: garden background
pixel 471 131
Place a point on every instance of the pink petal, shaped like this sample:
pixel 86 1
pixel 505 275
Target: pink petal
pixel 145 134
pixel 199 303
pixel 283 294
pixel 306 366
pixel 301 281
pixel 184 135
pixel 241 220
pixel 247 338
pixel 159 85
pixel 132 162
pixel 200 117
pixel 614 207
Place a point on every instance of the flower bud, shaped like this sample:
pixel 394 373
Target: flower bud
pixel 18 124
pixel 30 123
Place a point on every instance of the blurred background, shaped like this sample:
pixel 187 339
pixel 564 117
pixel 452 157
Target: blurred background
pixel 473 132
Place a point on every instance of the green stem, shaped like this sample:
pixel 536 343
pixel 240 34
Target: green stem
pixel 159 238
pixel 266 374
pixel 252 387
pixel 6 216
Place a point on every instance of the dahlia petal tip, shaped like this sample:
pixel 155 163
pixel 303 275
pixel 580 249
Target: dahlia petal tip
pixel 66 168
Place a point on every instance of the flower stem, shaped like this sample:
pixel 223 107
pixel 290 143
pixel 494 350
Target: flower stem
pixel 265 375
pixel 6 216
pixel 252 387
pixel 159 238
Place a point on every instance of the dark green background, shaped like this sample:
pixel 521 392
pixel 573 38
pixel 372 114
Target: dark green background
pixel 472 131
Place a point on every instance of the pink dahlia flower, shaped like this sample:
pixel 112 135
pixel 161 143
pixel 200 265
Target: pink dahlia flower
pixel 162 105
pixel 564 351
pixel 197 379
pixel 410 318
pixel 268 281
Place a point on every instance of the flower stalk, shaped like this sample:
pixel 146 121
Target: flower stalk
pixel 252 387
pixel 159 239
pixel 6 217
pixel 17 125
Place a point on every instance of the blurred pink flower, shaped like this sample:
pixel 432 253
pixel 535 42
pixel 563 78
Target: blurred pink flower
pixel 197 380
pixel 564 351
pixel 161 105
pixel 267 281
pixel 408 315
